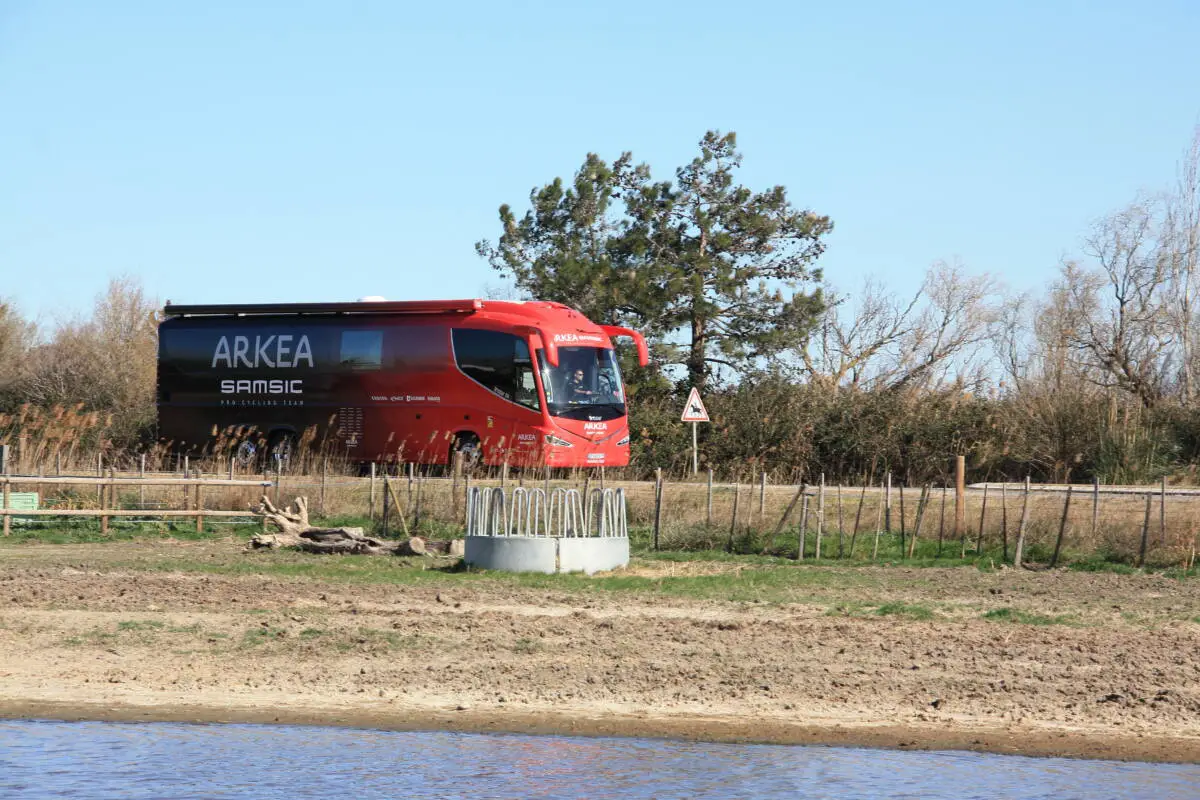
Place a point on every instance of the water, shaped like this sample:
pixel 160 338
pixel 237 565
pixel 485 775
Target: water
pixel 160 760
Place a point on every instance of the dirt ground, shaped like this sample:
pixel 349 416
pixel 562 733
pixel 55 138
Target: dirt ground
pixel 118 632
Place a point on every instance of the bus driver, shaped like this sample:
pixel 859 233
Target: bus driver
pixel 577 391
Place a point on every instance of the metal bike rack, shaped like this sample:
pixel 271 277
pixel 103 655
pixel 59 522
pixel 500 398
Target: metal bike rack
pixel 527 530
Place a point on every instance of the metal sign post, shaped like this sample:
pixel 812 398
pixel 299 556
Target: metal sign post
pixel 694 412
pixel 695 451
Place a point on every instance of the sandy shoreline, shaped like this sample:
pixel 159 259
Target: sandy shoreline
pixel 1073 744
pixel 115 633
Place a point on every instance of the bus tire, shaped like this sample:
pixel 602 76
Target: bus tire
pixel 246 454
pixel 282 449
pixel 467 445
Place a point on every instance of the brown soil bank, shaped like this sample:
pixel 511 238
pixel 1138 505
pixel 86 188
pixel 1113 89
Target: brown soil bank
pixel 1078 664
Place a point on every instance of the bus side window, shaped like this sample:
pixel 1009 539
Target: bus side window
pixel 526 384
pixel 362 350
pixel 491 359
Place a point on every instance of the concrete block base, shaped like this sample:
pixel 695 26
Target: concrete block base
pixel 546 554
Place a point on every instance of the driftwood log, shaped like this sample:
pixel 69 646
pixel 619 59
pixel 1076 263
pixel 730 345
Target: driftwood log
pixel 294 530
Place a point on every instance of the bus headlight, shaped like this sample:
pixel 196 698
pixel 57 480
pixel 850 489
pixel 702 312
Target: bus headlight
pixel 624 441
pixel 557 442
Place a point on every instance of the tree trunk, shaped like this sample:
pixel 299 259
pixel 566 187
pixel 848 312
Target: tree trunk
pixel 696 365
pixel 295 531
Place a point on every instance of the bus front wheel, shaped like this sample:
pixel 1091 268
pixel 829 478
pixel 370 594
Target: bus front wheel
pixel 467 447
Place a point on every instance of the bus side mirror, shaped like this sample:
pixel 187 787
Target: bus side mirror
pixel 639 341
pixel 548 346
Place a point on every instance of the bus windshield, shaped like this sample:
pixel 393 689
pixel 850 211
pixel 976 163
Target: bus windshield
pixel 586 384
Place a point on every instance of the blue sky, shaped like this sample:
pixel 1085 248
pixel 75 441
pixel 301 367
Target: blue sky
pixel 258 151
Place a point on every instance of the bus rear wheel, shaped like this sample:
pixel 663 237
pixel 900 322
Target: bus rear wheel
pixel 282 450
pixel 245 454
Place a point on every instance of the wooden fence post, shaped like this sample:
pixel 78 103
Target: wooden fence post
pixel 467 496
pixel 1004 520
pixel 199 508
pixel 7 505
pixel 1145 533
pixel 841 526
pixel 324 480
pixel 820 519
pixel 787 512
pixel 922 508
pixel 982 519
pixel 942 520
pixel 390 489
pixel 386 508
pixel 142 474
pixel 1095 505
pixel 887 506
pixel 102 490
pixel 658 497
pixel 962 542
pixel 1162 512
pixel 1062 526
pixel 371 495
pixel 1019 551
pixel 417 503
pixel 762 496
pixel 456 469
pixel 862 499
pixel 708 501
pixel 733 517
pixel 960 497
pixel 803 529
pixel 903 531
pixel 879 515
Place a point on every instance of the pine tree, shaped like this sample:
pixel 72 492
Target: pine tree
pixel 700 258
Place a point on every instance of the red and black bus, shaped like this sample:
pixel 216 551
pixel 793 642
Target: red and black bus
pixel 523 383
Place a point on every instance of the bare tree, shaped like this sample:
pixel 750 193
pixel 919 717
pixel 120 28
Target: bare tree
pixel 883 341
pixel 16 337
pixel 1047 416
pixel 1182 239
pixel 1123 321
pixel 951 331
pixel 850 340
pixel 1011 339
pixel 105 362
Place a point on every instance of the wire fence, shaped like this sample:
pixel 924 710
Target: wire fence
pixel 1024 522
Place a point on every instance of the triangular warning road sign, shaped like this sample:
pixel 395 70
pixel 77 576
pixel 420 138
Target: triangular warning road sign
pixel 694 410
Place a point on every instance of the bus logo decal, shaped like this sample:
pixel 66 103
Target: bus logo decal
pixel 260 353
pixel 578 337
pixel 262 387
